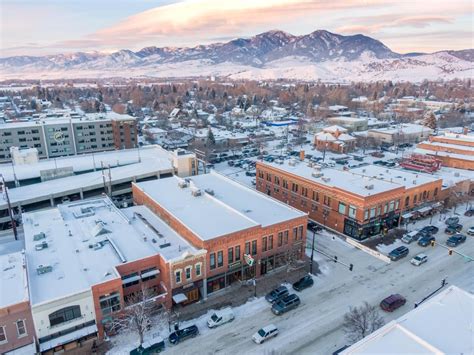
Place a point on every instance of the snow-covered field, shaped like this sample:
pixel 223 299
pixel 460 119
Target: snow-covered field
pixel 316 325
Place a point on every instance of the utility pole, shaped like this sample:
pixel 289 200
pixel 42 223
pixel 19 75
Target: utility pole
pixel 103 176
pixel 110 183
pixel 10 211
pixel 312 254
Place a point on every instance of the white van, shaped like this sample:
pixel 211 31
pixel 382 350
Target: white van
pixel 221 317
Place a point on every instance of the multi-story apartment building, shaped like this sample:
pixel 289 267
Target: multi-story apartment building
pixel 85 260
pixel 54 137
pixel 358 203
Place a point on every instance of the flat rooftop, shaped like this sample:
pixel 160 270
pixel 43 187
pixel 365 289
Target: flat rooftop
pixel 444 154
pixel 451 311
pixel 228 205
pixel 86 240
pixel 13 278
pixel 398 176
pixel 85 162
pixel 349 181
pixel 406 128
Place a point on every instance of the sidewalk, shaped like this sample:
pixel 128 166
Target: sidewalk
pixel 238 293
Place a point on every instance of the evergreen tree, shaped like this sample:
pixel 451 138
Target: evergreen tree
pixel 430 120
pixel 210 137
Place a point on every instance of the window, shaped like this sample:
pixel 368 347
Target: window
pixel 280 239
pixel 352 211
pixel 247 248
pixel 295 233
pixel 230 255
pixel 269 177
pixel 315 196
pixel 379 210
pixel 300 232
pixel 285 184
pixel 366 214
pixel 188 272
pixel 264 244
pixel 109 303
pixel 3 335
pixel 212 261
pixel 385 208
pixel 220 258
pixel 436 191
pixel 342 208
pixel 177 276
pixel 397 204
pixel 237 253
pixel 285 237
pixel 260 174
pixel 372 212
pixel 133 279
pixel 21 328
pixel 294 187
pixel 153 270
pixel 414 199
pixel 392 205
pixel 254 247
pixel 198 269
pixel 276 179
pixel 304 191
pixel 64 315
pixel 407 201
pixel 327 201
pixel 270 242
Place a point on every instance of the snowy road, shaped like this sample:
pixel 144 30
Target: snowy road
pixel 316 325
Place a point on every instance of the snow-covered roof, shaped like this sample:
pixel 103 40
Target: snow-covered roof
pixel 347 119
pixel 405 128
pixel 228 205
pixel 415 332
pixel 13 279
pixel 334 129
pixel 443 154
pixel 323 136
pixel 80 257
pixel 349 181
pixel 346 137
pixel 402 177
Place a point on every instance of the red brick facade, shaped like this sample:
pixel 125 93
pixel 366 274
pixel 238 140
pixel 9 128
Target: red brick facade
pixel 9 316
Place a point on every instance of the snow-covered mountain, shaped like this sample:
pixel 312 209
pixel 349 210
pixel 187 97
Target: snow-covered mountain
pixel 269 55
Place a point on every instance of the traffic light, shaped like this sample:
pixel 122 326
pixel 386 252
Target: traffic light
pixel 450 251
pixel 351 267
pixel 432 243
pixel 443 282
pixel 335 258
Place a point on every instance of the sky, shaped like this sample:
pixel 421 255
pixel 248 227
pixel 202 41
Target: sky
pixel 39 27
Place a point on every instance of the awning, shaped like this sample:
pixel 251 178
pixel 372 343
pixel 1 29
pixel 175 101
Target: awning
pixel 425 209
pixel 179 298
pixel 67 338
pixel 407 215
pixel 24 350
pixel 131 279
pixel 150 273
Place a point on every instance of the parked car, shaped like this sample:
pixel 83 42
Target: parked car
pixel 231 163
pixel 276 294
pixel 221 317
pixel 265 333
pixel 430 229
pixel 286 304
pixel 455 240
pixel 398 253
pixel 304 282
pixel 453 229
pixel 150 347
pixel 469 212
pixel 412 236
pixel 250 173
pixel 183 334
pixel 426 240
pixel 419 259
pixel 392 302
pixel 452 220
pixel 470 231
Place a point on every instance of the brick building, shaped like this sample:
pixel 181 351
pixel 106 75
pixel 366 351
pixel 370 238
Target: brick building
pixel 358 203
pixel 334 139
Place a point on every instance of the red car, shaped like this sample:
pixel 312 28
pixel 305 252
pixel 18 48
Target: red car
pixel 392 302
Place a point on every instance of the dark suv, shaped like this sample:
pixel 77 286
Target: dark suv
pixel 286 304
pixel 453 228
pixel 276 294
pixel 455 240
pixel 183 334
pixel 398 253
pixel 304 282
pixel 430 229
pixel 426 240
pixel 392 302
pixel 452 220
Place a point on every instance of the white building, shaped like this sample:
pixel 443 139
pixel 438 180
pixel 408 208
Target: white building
pixel 403 133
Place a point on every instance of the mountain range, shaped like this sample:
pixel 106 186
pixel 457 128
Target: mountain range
pixel 320 55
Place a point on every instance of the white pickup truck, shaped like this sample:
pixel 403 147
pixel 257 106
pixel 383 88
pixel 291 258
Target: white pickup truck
pixel 221 317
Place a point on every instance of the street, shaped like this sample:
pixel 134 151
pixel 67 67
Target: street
pixel 316 325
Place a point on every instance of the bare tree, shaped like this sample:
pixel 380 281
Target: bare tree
pixel 361 321
pixel 136 316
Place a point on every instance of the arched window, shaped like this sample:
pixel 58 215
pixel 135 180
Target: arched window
pixel 64 315
pixel 407 201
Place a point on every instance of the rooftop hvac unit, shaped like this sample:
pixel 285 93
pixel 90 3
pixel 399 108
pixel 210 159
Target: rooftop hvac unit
pixel 210 191
pixel 39 236
pixel 369 187
pixel 196 192
pixel 292 162
pixel 456 174
pixel 317 174
pixel 41 246
pixel 183 184
pixel 326 179
pixel 43 269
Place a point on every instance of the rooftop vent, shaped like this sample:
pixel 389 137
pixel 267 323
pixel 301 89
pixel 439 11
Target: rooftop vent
pixel 317 174
pixel 326 179
pixel 292 162
pixel 43 269
pixel 414 182
pixel 183 184
pixel 196 192
pixel 210 191
pixel 456 174
pixel 369 187
pixel 85 212
pixel 165 245
pixel 39 236
pixel 41 246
